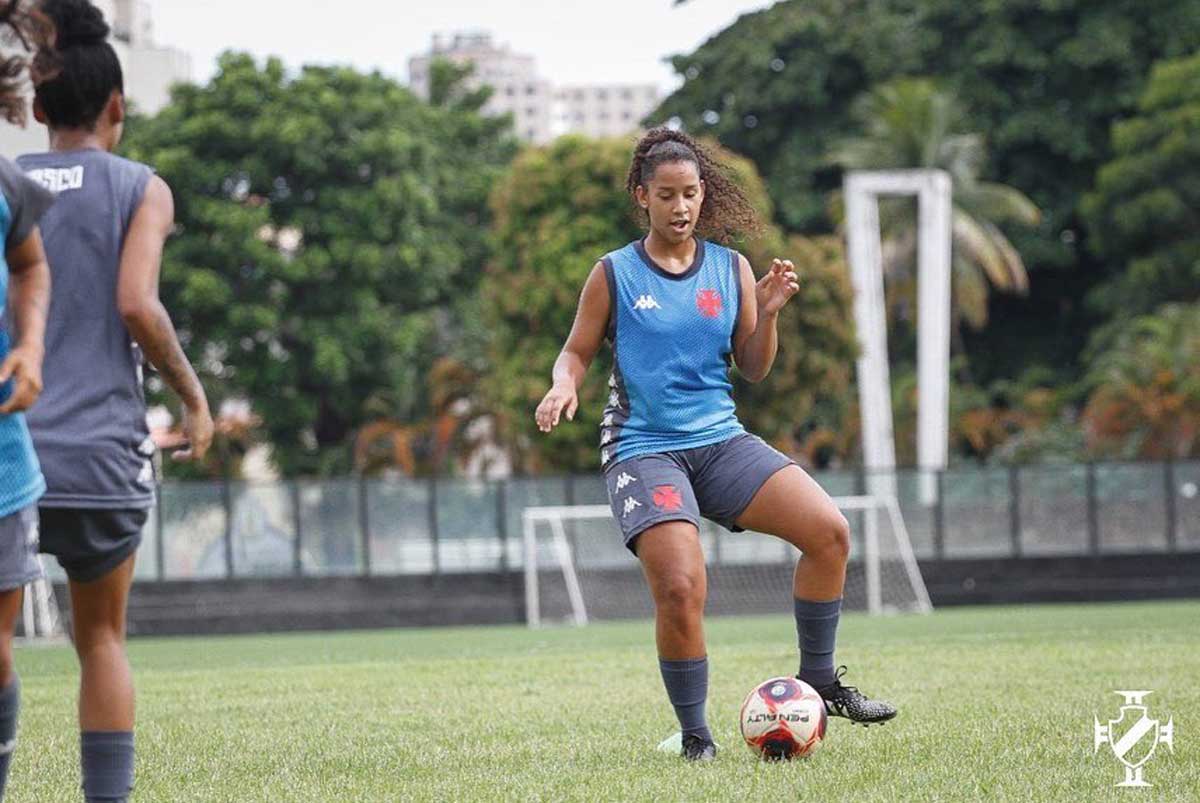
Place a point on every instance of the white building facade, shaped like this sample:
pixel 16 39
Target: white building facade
pixel 150 71
pixel 540 111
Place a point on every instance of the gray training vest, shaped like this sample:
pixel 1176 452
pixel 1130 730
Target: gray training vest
pixel 89 426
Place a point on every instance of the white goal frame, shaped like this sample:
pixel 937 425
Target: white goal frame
pixel 862 189
pixel 555 516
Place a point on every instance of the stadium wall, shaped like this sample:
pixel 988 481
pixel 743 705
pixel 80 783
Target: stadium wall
pixel 289 604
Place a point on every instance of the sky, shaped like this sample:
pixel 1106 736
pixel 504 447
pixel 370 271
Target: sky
pixel 574 42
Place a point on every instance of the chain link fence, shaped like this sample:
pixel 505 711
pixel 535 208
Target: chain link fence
pixel 355 526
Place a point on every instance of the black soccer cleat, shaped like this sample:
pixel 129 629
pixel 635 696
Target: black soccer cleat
pixel 849 702
pixel 696 748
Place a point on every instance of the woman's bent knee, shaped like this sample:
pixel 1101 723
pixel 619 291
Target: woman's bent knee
pixel 680 592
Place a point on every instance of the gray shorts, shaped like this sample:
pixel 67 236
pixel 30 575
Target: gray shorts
pixel 19 563
pixel 717 482
pixel 91 542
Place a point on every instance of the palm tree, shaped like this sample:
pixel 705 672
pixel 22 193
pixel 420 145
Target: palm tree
pixel 910 122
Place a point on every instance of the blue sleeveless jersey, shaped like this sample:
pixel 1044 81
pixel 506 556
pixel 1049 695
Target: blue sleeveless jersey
pixel 672 341
pixel 22 203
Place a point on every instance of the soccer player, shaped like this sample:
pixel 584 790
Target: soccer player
pixel 104 237
pixel 676 308
pixel 24 297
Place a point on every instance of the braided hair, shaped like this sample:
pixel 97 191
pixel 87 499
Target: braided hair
pixel 24 28
pixel 726 213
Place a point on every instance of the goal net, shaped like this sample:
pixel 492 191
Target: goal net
pixel 577 568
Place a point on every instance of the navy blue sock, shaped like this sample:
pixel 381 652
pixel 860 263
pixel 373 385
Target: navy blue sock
pixel 10 706
pixel 816 627
pixel 107 758
pixel 687 688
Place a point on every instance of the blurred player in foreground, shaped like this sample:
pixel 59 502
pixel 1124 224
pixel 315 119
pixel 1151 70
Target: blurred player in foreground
pixel 24 298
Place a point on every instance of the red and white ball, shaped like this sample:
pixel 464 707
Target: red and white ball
pixel 783 718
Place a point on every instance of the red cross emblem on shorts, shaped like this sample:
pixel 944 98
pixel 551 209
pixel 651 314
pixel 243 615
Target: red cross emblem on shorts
pixel 667 498
pixel 709 303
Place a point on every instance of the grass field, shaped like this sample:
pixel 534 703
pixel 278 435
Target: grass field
pixel 996 704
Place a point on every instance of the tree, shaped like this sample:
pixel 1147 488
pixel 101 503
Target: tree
pixel 1144 214
pixel 775 86
pixel 560 209
pixel 909 122
pixel 331 226
pixel 1145 386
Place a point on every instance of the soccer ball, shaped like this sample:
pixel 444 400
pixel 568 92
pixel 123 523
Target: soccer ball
pixel 783 718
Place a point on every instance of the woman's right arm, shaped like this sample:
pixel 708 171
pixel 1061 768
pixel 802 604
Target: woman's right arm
pixel 587 333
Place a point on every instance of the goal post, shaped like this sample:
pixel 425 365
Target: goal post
pixel 576 568
pixel 562 554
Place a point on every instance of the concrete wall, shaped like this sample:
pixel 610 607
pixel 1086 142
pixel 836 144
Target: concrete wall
pixel 249 606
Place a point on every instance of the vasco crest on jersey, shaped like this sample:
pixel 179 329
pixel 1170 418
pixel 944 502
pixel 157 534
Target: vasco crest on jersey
pixel 709 303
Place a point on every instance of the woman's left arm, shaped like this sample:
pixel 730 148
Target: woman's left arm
pixel 29 299
pixel 756 339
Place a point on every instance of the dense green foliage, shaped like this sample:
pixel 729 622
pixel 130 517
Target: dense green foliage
pixel 557 212
pixel 330 224
pixel 573 714
pixel 1145 380
pixel 1043 81
pixel 1145 210
pixel 358 263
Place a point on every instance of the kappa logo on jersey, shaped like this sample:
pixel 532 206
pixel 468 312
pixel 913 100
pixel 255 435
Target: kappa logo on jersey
pixel 709 303
pixel 605 456
pixel 606 438
pixel 614 400
pixel 608 421
pixel 624 480
pixel 646 302
pixel 631 504
pixel 58 179
pixel 667 498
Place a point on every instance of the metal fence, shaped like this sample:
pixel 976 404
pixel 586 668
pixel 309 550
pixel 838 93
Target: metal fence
pixel 214 530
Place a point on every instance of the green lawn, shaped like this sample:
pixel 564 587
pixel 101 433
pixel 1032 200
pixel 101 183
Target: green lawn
pixel 996 704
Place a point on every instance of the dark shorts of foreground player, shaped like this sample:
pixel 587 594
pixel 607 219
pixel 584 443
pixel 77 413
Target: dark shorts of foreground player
pixel 90 543
pixel 716 482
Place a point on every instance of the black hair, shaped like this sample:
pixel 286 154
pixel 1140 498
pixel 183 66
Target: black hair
pixel 88 68
pixel 726 212
pixel 24 28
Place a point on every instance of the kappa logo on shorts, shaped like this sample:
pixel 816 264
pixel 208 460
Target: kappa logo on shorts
pixel 666 497
pixel 624 480
pixel 709 303
pixel 631 504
